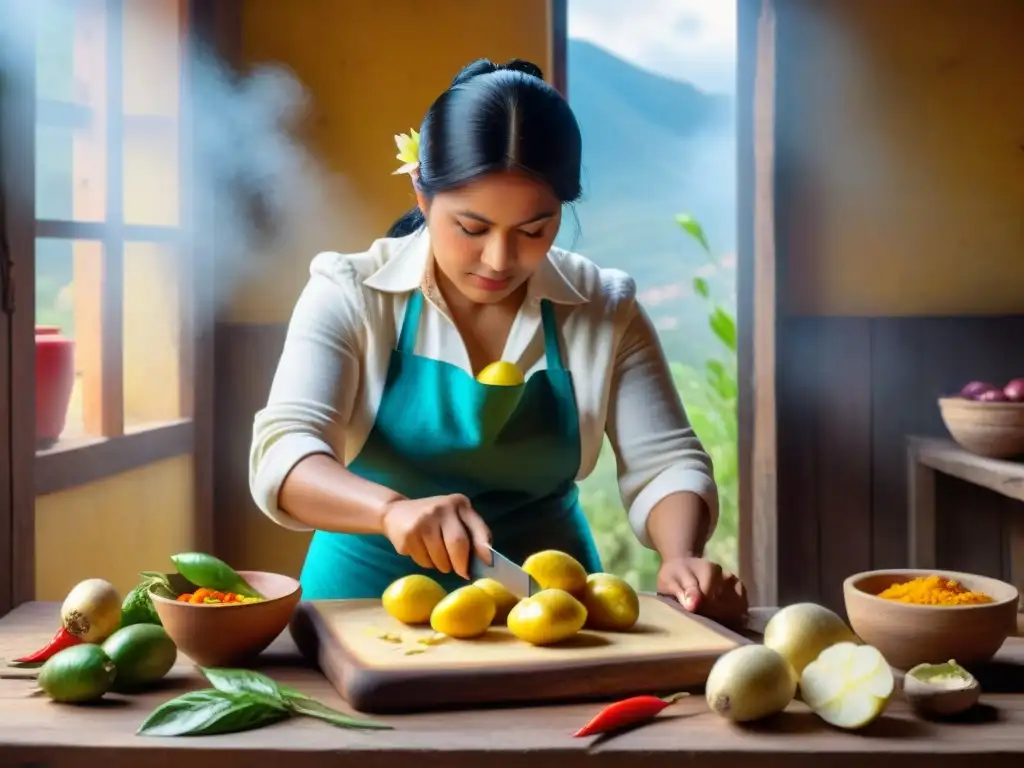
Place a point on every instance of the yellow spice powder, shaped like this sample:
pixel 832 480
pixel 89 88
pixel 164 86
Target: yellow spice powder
pixel 934 590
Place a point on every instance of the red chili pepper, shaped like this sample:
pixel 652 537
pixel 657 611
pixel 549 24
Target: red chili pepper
pixel 627 712
pixel 63 639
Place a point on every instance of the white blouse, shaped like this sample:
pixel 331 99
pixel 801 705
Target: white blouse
pixel 332 370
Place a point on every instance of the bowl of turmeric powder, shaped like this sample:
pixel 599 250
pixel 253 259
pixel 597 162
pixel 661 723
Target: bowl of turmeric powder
pixel 930 616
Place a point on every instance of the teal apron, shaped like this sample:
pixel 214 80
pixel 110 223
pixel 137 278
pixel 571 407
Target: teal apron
pixel 513 451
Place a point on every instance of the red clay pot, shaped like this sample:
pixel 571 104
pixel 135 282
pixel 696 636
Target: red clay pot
pixel 55 378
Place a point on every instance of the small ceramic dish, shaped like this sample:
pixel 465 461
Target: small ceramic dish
pixel 940 690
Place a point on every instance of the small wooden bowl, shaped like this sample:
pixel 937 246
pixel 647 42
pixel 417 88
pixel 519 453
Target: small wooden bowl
pixel 993 430
pixel 908 635
pixel 229 635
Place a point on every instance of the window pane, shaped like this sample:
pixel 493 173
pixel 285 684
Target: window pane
pixel 153 42
pixel 71 110
pixel 659 141
pixel 68 276
pixel 152 334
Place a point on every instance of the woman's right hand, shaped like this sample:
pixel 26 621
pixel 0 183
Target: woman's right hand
pixel 437 532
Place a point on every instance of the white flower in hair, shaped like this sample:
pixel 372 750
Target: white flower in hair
pixel 408 152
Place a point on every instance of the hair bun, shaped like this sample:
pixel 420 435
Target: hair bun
pixel 478 67
pixel 524 66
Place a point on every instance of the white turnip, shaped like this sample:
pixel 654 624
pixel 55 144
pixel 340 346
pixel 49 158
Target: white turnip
pixel 92 610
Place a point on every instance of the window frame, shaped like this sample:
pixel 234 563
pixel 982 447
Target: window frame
pixel 79 461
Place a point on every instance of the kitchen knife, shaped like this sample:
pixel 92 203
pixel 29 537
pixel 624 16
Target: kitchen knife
pixel 505 572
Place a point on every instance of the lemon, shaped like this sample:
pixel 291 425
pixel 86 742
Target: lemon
pixel 848 685
pixel 503 599
pixel 501 374
pixel 552 569
pixel 612 604
pixel 410 599
pixel 550 616
pixel 467 612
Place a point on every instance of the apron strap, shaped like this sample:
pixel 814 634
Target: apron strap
pixel 552 349
pixel 411 323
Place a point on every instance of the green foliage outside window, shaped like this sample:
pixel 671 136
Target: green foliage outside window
pixel 710 397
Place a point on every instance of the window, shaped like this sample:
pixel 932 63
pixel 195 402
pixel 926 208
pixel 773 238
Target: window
pixel 656 98
pixel 99 280
pixel 112 269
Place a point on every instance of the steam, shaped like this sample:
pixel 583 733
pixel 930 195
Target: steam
pixel 258 192
pixel 270 197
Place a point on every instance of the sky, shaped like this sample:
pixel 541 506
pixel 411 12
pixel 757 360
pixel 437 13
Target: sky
pixel 692 40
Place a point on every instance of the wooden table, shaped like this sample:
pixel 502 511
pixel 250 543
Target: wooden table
pixel 925 457
pixel 35 732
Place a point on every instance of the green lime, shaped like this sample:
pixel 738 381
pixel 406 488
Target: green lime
pixel 137 607
pixel 77 674
pixel 142 653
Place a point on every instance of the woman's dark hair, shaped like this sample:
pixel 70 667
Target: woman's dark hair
pixel 496 117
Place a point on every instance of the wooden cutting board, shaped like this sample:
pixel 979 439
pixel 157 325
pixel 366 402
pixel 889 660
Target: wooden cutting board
pixel 379 665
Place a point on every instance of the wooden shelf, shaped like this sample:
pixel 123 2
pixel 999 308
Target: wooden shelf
pixel 928 455
pixel 1005 477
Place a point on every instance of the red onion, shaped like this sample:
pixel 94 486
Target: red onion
pixel 992 396
pixel 975 388
pixel 1014 391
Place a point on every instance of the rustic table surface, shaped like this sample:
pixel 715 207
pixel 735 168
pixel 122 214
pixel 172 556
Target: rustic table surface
pixel 36 732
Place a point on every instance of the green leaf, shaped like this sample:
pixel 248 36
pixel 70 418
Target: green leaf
pixel 153 581
pixel 208 712
pixel 312 708
pixel 242 681
pixel 700 287
pixel 290 693
pixel 211 572
pixel 721 380
pixel 724 327
pixel 693 228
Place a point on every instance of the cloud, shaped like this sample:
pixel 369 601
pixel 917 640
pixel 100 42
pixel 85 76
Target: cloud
pixel 692 40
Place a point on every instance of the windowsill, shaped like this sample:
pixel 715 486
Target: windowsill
pixel 84 460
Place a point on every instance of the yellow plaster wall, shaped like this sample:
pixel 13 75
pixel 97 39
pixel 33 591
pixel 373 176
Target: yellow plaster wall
pixel 113 528
pixel 906 128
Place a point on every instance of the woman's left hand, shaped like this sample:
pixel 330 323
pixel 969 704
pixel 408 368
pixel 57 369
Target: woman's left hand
pixel 702 587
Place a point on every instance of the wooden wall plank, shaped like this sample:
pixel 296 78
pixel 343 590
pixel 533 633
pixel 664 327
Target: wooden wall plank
pixel 247 357
pixel 843 446
pixel 798 531
pixel 969 526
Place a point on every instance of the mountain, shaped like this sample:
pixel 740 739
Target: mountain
pixel 653 147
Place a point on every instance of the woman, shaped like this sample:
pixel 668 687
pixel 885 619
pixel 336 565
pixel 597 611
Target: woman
pixel 378 436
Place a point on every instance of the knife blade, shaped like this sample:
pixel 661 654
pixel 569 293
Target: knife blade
pixel 505 572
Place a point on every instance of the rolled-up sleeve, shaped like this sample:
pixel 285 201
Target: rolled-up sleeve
pixel 657 451
pixel 313 391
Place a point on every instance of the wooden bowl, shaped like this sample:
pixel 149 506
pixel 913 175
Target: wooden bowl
pixel 229 635
pixel 908 635
pixel 993 430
